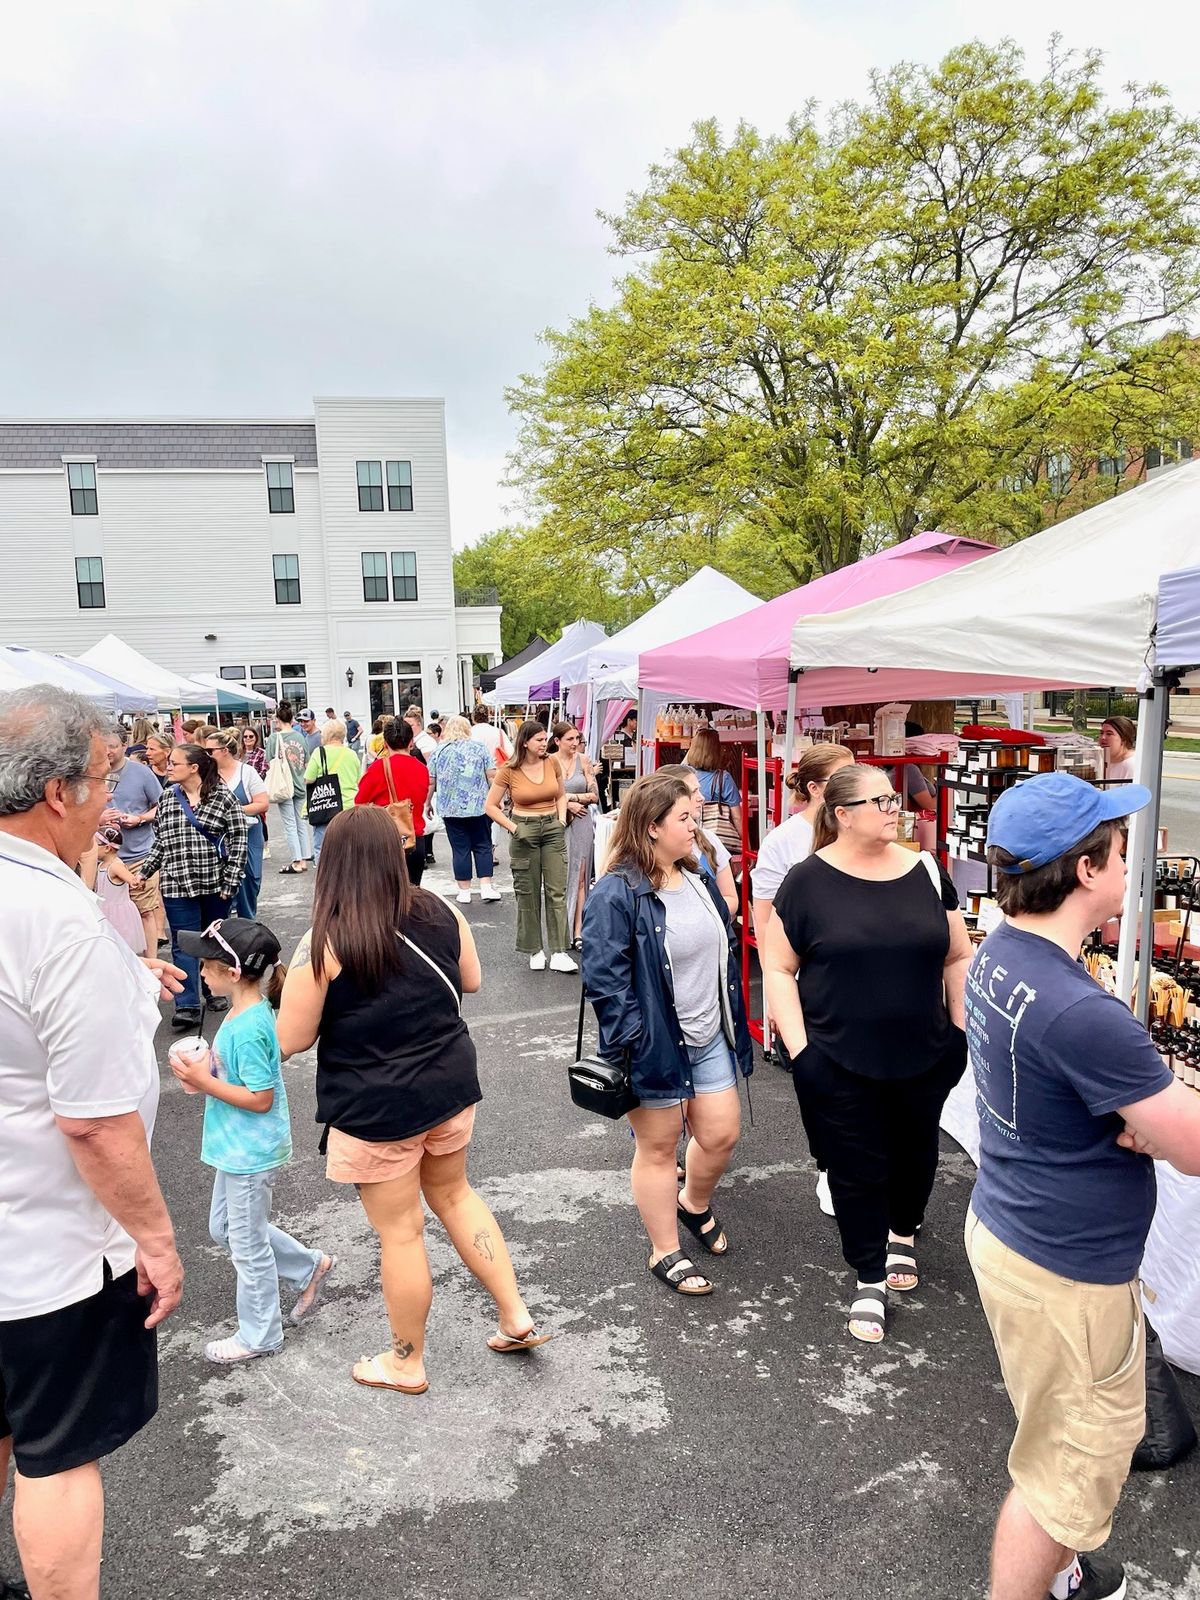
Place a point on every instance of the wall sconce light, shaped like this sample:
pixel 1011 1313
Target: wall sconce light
pixel 211 638
pixel 438 673
pixel 350 677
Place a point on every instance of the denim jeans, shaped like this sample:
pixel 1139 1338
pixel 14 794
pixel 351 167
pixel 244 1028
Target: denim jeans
pixel 191 916
pixel 470 837
pixel 240 1219
pixel 295 827
pixel 245 902
pixel 318 839
pixel 538 857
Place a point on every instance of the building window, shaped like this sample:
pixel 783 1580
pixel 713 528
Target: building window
pixel 374 575
pixel 392 686
pixel 280 493
pixel 234 674
pixel 1058 472
pixel 293 677
pixel 404 575
pixel 287 579
pixel 1112 466
pixel 81 477
pixel 89 579
pixel 262 681
pixel 370 486
pixel 399 482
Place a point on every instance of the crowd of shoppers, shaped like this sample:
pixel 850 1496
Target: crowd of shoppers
pixel 865 960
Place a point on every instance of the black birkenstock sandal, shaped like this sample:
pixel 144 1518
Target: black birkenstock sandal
pixel 674 1269
pixel 706 1228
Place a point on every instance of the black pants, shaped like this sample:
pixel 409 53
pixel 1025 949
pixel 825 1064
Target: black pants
pixel 415 860
pixel 878 1139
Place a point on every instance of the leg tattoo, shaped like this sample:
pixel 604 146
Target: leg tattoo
pixel 402 1349
pixel 483 1243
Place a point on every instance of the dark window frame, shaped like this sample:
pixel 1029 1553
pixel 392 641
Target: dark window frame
pixel 84 502
pixel 281 496
pixel 287 584
pixel 376 579
pixel 370 485
pixel 398 491
pixel 403 581
pixel 89 589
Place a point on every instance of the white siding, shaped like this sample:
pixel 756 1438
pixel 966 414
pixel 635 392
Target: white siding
pixel 188 553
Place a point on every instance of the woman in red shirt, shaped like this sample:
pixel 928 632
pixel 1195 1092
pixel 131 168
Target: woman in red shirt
pixel 410 781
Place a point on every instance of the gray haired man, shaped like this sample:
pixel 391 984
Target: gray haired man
pixel 89 1261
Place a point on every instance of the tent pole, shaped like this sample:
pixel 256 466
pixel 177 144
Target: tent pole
pixel 1151 764
pixel 638 766
pixel 790 736
pixel 762 774
pixel 1130 919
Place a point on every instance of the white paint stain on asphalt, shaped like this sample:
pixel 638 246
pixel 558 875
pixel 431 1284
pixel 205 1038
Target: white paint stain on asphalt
pixel 300 1448
pixel 862 1389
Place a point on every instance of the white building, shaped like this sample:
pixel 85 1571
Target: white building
pixel 309 558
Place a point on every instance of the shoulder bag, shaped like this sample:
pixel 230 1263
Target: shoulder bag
pixel 718 819
pixel 598 1085
pixel 279 775
pixel 218 843
pixel 324 795
pixel 400 811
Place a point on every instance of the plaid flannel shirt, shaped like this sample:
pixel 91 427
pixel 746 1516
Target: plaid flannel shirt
pixel 189 865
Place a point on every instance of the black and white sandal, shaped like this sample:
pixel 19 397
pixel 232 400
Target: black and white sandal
pixel 674 1270
pixel 869 1307
pixel 902 1260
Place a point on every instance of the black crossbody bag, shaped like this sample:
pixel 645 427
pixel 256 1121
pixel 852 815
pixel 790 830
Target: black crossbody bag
pixel 598 1085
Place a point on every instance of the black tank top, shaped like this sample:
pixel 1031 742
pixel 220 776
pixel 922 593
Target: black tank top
pixel 395 1062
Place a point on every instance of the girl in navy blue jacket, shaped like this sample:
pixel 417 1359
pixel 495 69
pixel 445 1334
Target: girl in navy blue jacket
pixel 660 971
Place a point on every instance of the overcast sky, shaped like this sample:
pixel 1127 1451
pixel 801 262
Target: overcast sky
pixel 225 208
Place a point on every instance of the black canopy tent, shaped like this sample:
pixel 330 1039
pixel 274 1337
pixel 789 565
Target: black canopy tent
pixel 489 679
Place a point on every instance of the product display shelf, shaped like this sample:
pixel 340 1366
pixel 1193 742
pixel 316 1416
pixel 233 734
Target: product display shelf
pixel 773 768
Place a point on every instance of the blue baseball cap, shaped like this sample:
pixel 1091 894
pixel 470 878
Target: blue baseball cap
pixel 1042 818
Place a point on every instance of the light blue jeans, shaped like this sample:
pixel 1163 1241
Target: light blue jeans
pixel 318 838
pixel 295 827
pixel 240 1219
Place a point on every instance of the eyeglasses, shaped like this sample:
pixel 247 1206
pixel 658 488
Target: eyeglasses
pixel 885 802
pixel 110 780
pixel 213 931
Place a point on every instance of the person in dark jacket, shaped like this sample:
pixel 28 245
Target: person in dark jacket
pixel 660 971
pixel 376 985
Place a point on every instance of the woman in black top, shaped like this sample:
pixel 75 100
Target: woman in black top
pixel 376 984
pixel 872 1023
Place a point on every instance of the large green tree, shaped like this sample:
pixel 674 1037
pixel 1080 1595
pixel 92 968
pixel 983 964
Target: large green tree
pixel 831 338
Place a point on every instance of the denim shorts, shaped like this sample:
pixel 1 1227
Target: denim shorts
pixel 713 1069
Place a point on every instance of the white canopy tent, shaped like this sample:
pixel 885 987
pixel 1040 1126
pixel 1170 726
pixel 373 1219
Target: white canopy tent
pixel 514 688
pixel 121 660
pixel 1071 607
pixel 225 695
pixel 608 669
pixel 109 693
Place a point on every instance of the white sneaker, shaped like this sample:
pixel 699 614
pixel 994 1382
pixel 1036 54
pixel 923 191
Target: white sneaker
pixel 463 897
pixel 489 893
pixel 560 961
pixel 824 1198
pixel 537 963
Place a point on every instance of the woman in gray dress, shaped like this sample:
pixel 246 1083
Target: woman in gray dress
pixel 583 795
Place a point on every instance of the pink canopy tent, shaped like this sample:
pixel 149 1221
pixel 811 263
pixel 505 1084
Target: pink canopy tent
pixel 744 662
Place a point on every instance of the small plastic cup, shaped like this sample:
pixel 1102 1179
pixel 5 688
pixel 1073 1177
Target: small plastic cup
pixel 188 1049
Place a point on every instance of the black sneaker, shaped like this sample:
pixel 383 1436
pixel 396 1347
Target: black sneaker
pixel 220 1002
pixel 184 1018
pixel 1103 1579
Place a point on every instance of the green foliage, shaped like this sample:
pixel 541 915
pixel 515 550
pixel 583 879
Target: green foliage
pixel 836 336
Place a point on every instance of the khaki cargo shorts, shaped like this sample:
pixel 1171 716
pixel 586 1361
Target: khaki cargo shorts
pixel 1073 1357
pixel 146 899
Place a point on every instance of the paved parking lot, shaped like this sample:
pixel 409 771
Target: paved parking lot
pixel 735 1445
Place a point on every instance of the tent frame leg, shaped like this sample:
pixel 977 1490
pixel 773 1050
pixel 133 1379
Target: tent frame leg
pixel 789 747
pixel 1148 770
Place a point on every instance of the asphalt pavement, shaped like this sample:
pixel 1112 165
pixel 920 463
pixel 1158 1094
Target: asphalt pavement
pixel 740 1444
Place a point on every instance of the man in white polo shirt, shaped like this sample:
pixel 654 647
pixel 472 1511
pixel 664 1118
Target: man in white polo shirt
pixel 89 1266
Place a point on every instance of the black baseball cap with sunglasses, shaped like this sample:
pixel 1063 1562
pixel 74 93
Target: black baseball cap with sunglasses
pixel 250 948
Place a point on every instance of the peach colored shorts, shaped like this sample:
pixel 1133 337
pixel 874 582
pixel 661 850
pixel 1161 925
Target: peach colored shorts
pixel 351 1160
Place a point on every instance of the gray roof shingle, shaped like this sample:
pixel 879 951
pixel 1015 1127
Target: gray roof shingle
pixel 163 445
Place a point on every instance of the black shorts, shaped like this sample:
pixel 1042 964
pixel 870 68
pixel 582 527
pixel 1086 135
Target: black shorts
pixel 78 1383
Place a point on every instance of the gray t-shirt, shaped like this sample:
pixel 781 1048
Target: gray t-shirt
pixel 137 790
pixel 694 951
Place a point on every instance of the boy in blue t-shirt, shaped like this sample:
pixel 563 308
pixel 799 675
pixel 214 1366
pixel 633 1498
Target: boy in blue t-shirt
pixel 1073 1101
pixel 247 1135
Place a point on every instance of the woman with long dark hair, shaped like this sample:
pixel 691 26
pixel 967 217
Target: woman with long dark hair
pixel 864 966
pixel 582 790
pixel 376 984
pixel 200 852
pixel 532 780
pixel 660 970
